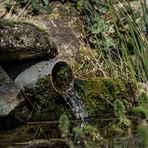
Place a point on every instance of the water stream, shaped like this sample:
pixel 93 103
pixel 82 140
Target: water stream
pixel 73 100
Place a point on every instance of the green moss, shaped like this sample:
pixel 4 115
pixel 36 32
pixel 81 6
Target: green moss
pixel 45 103
pixel 62 77
pixel 98 94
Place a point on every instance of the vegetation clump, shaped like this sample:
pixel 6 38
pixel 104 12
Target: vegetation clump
pixel 98 94
pixel 44 102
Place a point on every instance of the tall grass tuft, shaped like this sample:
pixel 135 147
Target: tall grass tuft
pixel 134 44
pixel 119 34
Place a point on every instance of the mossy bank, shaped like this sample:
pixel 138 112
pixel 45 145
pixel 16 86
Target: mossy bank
pixel 97 96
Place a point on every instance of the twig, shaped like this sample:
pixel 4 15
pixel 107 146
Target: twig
pixel 22 10
pixel 3 3
pixel 51 122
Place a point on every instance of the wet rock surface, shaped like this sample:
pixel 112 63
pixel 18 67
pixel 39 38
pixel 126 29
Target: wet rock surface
pixel 65 39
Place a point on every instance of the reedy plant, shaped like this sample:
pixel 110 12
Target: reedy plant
pixel 137 63
pixel 121 44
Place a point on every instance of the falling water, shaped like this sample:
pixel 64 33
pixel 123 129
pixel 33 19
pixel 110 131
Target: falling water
pixel 75 104
pixel 77 107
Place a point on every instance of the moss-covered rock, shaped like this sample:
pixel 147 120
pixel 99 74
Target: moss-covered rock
pixel 98 94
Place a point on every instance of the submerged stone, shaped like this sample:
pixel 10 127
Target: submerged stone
pixel 26 136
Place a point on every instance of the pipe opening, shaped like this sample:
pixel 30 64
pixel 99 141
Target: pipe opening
pixel 62 77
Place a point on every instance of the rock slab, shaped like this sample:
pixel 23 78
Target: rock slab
pixel 10 96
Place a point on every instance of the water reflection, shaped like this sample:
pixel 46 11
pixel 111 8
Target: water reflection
pixel 49 134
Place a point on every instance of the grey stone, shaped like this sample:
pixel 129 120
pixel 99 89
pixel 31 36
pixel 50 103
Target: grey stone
pixel 10 96
pixel 20 41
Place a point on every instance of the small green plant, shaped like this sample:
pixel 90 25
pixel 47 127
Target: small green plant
pixel 64 128
pixel 64 125
pixel 38 5
pixel 143 130
pixel 142 109
pixel 117 129
pixel 120 113
pixel 86 135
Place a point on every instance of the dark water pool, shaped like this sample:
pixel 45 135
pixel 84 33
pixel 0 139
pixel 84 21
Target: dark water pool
pixel 47 134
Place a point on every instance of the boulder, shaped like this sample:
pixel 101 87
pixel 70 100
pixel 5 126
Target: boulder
pixel 20 41
pixel 10 96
